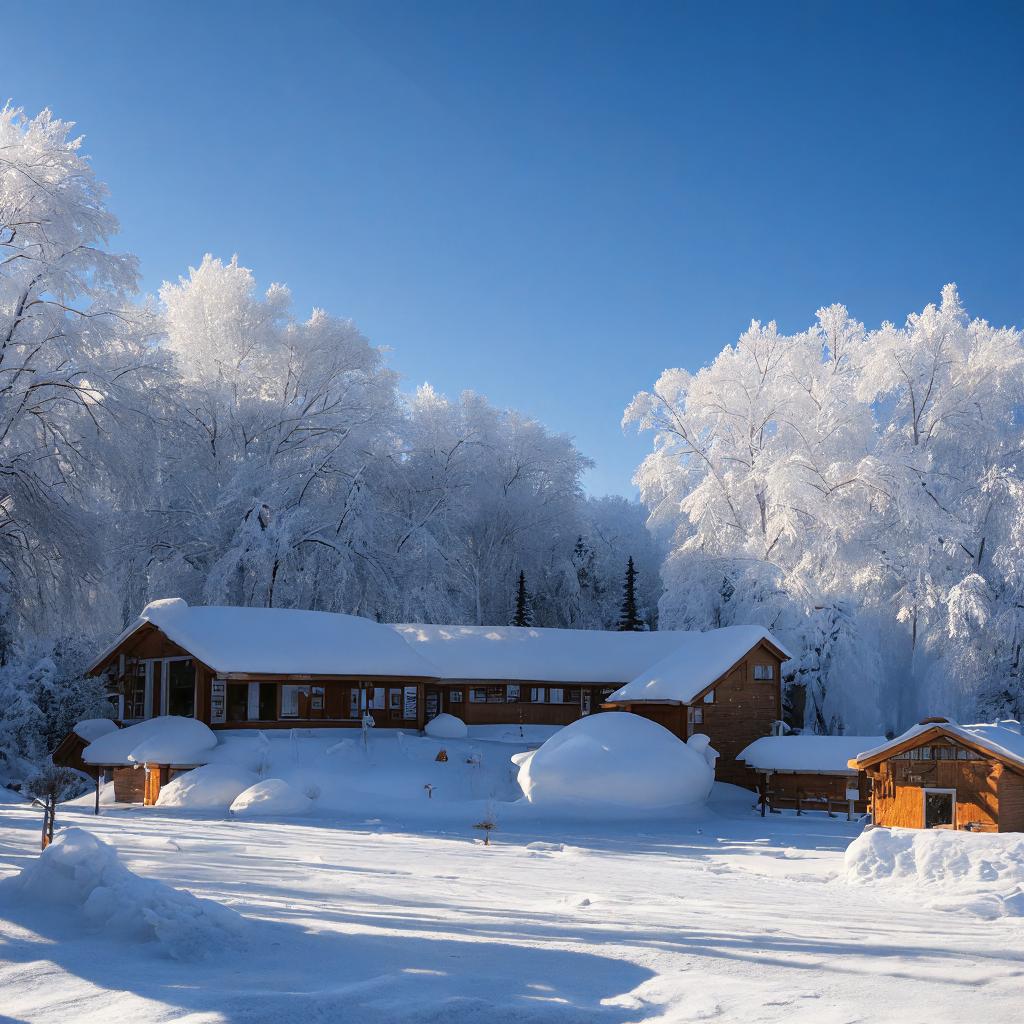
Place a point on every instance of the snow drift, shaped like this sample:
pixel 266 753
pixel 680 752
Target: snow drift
pixel 82 877
pixel 271 798
pixel 213 787
pixel 164 740
pixel 446 727
pixel 982 873
pixel 613 763
pixel 91 729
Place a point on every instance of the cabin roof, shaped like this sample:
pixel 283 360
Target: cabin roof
pixel 693 665
pixel 280 641
pixel 283 641
pixel 827 754
pixel 1002 740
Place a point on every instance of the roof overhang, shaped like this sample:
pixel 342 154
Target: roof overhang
pixel 900 744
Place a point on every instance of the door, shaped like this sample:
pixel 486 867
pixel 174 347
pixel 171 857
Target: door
pixel 940 808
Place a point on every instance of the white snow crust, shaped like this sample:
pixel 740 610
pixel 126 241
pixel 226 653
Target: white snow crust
pixel 212 787
pixel 981 873
pixel 8 796
pixel 271 798
pixel 164 740
pixel 614 763
pixel 446 727
pixel 82 877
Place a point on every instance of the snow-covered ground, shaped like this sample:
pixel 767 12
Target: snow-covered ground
pixel 403 915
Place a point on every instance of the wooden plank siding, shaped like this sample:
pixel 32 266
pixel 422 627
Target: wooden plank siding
pixel 130 785
pixel 785 789
pixel 743 710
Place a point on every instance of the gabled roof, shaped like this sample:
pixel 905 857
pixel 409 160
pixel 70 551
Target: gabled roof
pixel 806 753
pixel 1001 740
pixel 280 641
pixel 694 664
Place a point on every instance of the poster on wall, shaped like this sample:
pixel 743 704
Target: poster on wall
pixel 409 703
pixel 218 702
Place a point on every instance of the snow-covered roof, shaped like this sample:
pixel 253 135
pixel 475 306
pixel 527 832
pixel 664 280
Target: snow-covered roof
pixel 281 641
pixel 530 653
pixel 164 740
pixel 90 729
pixel 806 753
pixel 1002 739
pixel 696 661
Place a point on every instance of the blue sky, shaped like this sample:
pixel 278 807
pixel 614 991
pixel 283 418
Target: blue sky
pixel 549 203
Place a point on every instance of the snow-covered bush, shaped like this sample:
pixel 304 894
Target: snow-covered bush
pixel 212 787
pixel 615 763
pixel 81 876
pixel 446 727
pixel 273 798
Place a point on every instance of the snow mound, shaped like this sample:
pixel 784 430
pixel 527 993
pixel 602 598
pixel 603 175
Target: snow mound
pixel 446 727
pixel 212 787
pixel 271 798
pixel 164 740
pixel 982 873
pixel 93 728
pixel 615 762
pixel 81 876
pixel 9 796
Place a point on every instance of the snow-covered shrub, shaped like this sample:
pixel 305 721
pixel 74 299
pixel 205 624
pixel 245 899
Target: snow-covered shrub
pixel 615 763
pixel 212 787
pixel 446 727
pixel 271 798
pixel 81 876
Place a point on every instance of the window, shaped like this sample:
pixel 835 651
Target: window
pixel 512 692
pixel 495 694
pixel 395 699
pixel 290 701
pixel 555 695
pixel 454 696
pixel 181 688
pixel 478 695
pixel 696 716
pixel 764 671
pixel 537 694
pixel 709 697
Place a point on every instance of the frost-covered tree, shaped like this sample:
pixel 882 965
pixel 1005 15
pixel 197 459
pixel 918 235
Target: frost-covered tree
pixel 830 482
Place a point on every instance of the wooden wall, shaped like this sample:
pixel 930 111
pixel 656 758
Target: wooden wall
pixel 898 791
pixel 129 785
pixel 788 787
pixel 1011 802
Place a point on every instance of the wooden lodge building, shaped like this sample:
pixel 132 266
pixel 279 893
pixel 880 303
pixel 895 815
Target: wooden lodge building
pixel 245 668
pixel 939 774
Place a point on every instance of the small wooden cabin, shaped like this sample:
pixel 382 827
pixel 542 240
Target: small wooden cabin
pixel 727 684
pixel 940 774
pixel 809 772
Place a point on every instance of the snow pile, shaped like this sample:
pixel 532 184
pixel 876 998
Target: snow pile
pixel 164 740
pixel 807 753
pixel 81 876
pixel 271 798
pixel 93 728
pixel 9 796
pixel 446 727
pixel 212 787
pixel 982 873
pixel 613 763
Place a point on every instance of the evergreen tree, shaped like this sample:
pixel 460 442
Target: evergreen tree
pixel 629 618
pixel 524 609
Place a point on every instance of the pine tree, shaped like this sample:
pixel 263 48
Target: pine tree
pixel 524 609
pixel 629 619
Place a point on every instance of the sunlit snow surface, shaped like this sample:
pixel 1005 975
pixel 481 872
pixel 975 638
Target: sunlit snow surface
pixel 384 910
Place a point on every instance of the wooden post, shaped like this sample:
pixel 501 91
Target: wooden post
pixel 98 774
